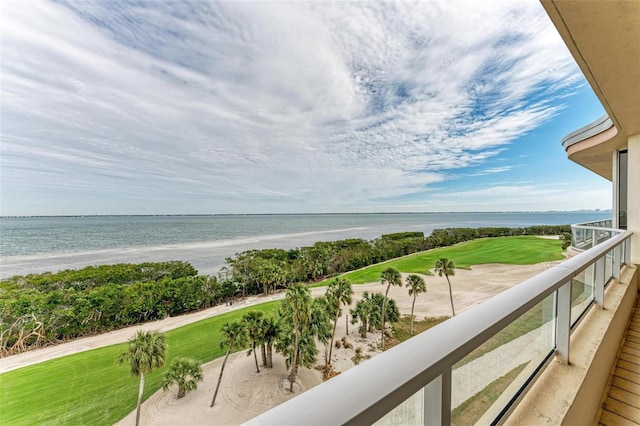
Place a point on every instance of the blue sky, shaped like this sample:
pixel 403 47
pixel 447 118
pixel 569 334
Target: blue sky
pixel 124 107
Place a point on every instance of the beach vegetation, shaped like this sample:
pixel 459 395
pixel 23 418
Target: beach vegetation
pixel 339 292
pixel 234 336
pixel 446 268
pixel 391 277
pixel 416 285
pixel 270 332
pixel 368 311
pixel 145 352
pixel 565 237
pixel 254 325
pixel 296 341
pixel 184 373
pixel 321 325
pixel 41 309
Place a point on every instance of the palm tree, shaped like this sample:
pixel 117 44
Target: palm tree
pixel 295 316
pixel 416 286
pixel 363 311
pixel 146 351
pixel 253 322
pixel 269 335
pixel 321 324
pixel 234 335
pixel 446 267
pixel 391 277
pixel 338 293
pixel 184 372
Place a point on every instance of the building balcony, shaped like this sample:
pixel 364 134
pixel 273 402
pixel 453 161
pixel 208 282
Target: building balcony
pixel 554 336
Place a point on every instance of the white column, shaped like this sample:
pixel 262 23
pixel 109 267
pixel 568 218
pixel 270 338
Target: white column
pixel 615 207
pixel 633 196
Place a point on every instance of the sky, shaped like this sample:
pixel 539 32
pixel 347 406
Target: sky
pixel 169 107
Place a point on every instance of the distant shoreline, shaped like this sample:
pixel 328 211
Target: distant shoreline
pixel 307 214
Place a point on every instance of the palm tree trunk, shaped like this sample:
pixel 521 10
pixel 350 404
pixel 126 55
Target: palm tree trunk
pixel 363 333
pixel 294 364
pixel 347 323
pixel 412 306
pixel 335 324
pixel 255 356
pixel 181 392
pixel 140 392
pixel 269 356
pixel 384 303
pixel 215 394
pixel 263 352
pixel 451 296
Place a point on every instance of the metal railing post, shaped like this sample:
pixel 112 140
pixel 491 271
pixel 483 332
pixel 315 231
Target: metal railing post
pixel 627 251
pixel 598 281
pixel 563 318
pixel 594 237
pixel 437 401
pixel 617 264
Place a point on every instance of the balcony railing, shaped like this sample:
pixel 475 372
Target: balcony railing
pixel 590 234
pixel 493 351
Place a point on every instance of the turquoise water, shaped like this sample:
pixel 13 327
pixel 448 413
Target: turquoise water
pixel 37 244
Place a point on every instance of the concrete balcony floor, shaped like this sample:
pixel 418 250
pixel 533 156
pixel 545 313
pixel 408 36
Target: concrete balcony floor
pixel 621 405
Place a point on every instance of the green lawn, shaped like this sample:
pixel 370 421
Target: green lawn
pixel 470 411
pixel 91 388
pixel 508 250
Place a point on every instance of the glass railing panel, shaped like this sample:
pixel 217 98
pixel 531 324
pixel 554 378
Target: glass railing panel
pixel 608 267
pixel 410 412
pixel 485 381
pixel 582 293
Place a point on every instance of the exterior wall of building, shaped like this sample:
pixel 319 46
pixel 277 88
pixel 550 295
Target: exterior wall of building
pixel 633 196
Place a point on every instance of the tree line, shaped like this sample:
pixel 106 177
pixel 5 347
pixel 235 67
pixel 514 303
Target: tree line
pixel 264 271
pixel 41 309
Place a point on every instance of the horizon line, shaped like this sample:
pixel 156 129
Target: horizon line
pixel 304 214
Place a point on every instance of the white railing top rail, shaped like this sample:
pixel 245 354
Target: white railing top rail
pixel 366 393
pixel 598 228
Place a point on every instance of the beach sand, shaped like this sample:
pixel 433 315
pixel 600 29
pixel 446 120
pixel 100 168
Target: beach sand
pixel 245 393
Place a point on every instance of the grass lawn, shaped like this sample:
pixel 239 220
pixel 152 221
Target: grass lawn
pixel 525 250
pixel 470 411
pixel 91 388
pixel 402 328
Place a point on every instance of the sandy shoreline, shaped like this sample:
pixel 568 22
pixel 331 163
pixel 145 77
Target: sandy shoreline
pixel 245 393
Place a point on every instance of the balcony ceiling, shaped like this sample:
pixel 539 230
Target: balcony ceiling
pixel 604 38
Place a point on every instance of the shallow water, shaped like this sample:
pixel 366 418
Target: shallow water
pixel 38 244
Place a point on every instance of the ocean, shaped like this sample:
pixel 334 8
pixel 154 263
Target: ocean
pixel 39 244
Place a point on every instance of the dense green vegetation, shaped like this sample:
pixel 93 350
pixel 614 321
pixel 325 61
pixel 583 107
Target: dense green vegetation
pixel 45 308
pixel 91 388
pixel 257 271
pixel 41 309
pixel 521 251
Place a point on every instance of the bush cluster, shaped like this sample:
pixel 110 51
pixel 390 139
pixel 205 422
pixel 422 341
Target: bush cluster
pixel 44 308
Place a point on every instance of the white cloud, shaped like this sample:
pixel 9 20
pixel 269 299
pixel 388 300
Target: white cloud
pixel 265 106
